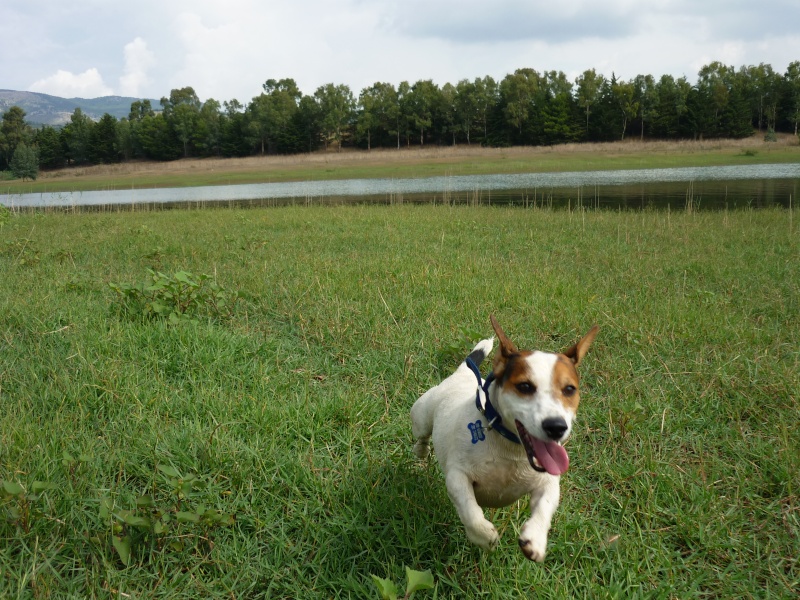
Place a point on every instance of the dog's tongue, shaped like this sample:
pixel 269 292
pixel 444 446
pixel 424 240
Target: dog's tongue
pixel 551 456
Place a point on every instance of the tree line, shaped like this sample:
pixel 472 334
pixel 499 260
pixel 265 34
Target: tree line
pixel 524 108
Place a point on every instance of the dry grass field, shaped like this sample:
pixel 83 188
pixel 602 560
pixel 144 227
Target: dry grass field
pixel 414 162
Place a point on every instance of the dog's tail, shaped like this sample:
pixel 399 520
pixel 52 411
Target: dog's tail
pixel 481 351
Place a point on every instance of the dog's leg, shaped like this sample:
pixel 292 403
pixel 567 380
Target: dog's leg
pixel 533 537
pixel 480 531
pixel 422 423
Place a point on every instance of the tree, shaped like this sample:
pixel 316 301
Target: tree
pixel 671 98
pixel 558 124
pixel 307 122
pixel 445 113
pixel 124 139
pixel 762 86
pixel 422 98
pixel 518 91
pixel 234 126
pixel 140 109
pixel 182 111
pixel 624 97
pixel 25 162
pixel 402 120
pixel 208 133
pixel 272 112
pixel 157 139
pixel 467 107
pixel 103 144
pixel 131 144
pixel 589 84
pixel 13 132
pixel 336 109
pixel 379 112
pixel 792 85
pixel 736 121
pixel 76 136
pixel 645 95
pixel 367 120
pixel 486 94
pixel 51 153
pixel 713 88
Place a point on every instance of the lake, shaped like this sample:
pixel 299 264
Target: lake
pixel 698 187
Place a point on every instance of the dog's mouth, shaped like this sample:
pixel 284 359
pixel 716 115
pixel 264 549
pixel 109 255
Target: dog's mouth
pixel 550 457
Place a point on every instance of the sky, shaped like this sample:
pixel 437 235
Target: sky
pixel 227 49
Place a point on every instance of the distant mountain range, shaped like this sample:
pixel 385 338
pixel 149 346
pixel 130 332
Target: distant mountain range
pixel 43 109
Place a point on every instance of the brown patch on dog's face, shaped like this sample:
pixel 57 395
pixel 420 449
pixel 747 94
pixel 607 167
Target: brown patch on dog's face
pixel 513 373
pixel 565 383
pixel 517 378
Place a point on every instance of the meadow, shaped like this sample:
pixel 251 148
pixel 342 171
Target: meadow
pixel 238 427
pixel 413 162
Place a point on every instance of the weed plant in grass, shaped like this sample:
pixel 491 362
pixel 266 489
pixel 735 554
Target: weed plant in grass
pixel 267 454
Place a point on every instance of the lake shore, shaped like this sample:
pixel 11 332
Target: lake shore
pixel 413 163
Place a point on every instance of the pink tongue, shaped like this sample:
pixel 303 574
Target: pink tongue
pixel 551 456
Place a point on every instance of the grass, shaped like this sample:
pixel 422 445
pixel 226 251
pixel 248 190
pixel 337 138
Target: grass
pixel 291 416
pixel 414 163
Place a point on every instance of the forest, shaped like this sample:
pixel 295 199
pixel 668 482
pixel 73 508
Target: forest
pixel 524 108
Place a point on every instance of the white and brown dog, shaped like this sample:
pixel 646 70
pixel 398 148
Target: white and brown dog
pixel 502 439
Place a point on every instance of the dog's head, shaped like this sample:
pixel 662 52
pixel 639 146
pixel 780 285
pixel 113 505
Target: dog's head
pixel 539 393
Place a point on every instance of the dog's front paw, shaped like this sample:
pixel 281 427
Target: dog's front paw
pixel 484 535
pixel 422 449
pixel 533 545
pixel 533 549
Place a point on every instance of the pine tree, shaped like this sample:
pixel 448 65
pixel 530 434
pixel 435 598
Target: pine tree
pixel 25 162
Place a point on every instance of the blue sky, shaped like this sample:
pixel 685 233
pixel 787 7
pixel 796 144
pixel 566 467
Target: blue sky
pixel 226 50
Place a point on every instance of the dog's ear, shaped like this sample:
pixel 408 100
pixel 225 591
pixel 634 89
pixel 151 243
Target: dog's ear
pixel 507 347
pixel 579 350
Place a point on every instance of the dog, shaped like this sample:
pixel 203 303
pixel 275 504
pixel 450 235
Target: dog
pixel 500 440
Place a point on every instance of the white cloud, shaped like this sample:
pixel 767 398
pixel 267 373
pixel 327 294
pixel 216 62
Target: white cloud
pixel 88 84
pixel 138 60
pixel 227 50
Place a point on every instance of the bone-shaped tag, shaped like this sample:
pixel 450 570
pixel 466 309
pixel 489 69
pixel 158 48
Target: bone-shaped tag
pixel 477 431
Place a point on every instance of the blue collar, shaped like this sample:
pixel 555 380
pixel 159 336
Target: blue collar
pixel 486 408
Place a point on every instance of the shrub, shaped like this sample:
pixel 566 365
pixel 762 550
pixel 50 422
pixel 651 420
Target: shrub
pixel 179 297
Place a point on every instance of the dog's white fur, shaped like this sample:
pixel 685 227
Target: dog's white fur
pixel 496 471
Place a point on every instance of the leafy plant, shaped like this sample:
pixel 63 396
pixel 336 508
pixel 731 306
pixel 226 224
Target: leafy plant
pixel 156 256
pixel 22 251
pixel 179 297
pixel 166 521
pixel 20 506
pixel 456 351
pixel 415 580
pixel 5 215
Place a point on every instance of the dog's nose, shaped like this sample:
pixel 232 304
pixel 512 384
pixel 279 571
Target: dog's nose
pixel 554 427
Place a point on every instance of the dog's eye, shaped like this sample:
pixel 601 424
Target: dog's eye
pixel 526 387
pixel 569 390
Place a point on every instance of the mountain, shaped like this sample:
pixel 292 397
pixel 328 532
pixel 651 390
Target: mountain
pixel 43 109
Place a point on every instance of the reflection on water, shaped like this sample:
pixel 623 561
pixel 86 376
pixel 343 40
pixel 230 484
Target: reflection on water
pixel 699 187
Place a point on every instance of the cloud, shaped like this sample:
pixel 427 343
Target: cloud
pixel 138 60
pixel 227 50
pixel 477 22
pixel 66 84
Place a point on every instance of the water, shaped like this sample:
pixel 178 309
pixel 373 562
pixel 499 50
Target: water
pixel 697 187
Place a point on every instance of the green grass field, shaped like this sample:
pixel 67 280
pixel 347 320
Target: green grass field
pixel 267 453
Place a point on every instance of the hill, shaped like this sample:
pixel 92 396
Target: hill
pixel 44 109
